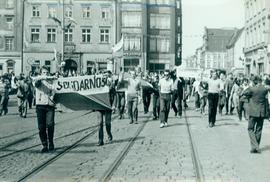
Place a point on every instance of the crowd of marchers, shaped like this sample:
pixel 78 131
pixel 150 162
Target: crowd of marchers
pixel 223 93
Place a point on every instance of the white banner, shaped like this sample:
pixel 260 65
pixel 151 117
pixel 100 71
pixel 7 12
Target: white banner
pixel 84 85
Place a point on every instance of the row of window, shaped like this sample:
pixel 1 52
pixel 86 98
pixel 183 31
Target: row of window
pixel 158 44
pixel 255 34
pixel 104 34
pixel 253 7
pixel 86 11
pixel 160 21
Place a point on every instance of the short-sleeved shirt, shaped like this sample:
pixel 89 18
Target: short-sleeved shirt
pixel 166 86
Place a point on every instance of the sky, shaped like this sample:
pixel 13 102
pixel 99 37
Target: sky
pixel 198 14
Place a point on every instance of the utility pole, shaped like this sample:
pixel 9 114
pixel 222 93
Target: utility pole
pixel 22 34
pixel 63 30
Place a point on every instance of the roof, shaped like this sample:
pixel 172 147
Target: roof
pixel 218 39
pixel 235 38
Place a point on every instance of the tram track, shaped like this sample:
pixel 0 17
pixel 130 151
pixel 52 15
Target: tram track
pixel 40 167
pixel 57 123
pixel 29 137
pixel 195 157
pixel 117 162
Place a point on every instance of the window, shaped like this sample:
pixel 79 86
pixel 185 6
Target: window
pixel 68 35
pixel 48 65
pixel 178 4
pixel 132 44
pixel 35 11
pixel 86 12
pixel 51 11
pixel 86 35
pixel 9 21
pixel 68 11
pixel 51 35
pixel 159 44
pixel 178 21
pixel 160 21
pixel 131 19
pixel 105 13
pixel 9 4
pixel 165 2
pixel 10 66
pixel 178 38
pixel 104 35
pixel 9 43
pixel 35 35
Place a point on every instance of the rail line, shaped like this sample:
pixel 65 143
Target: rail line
pixel 117 162
pixel 57 156
pixel 194 154
pixel 57 123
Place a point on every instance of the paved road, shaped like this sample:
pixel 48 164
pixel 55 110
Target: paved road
pixel 156 155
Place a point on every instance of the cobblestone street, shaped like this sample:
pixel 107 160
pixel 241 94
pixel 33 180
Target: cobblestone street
pixel 157 154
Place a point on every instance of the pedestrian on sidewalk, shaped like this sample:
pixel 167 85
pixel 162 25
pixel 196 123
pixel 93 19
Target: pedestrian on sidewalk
pixel 258 111
pixel 45 108
pixel 166 88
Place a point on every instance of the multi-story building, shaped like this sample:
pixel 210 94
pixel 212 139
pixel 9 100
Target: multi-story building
pixel 257 30
pixel 152 31
pixel 82 30
pixel 10 37
pixel 214 50
pixel 235 52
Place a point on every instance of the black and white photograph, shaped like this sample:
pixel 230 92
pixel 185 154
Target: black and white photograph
pixel 134 90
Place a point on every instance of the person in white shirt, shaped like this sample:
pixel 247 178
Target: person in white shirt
pixel 166 88
pixel 195 92
pixel 213 95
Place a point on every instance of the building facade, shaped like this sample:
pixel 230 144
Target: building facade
pixel 214 51
pixel 83 31
pixel 10 37
pixel 235 52
pixel 257 26
pixel 152 31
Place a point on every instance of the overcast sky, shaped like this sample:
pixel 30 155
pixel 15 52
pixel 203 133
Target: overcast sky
pixel 210 13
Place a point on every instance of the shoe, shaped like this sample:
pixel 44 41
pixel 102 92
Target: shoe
pixel 161 125
pixel 175 114
pixel 254 151
pixel 121 116
pixel 110 139
pixel 136 122
pixel 44 150
pixel 165 124
pixel 100 144
pixel 210 125
pixel 51 147
pixel 154 118
pixel 130 122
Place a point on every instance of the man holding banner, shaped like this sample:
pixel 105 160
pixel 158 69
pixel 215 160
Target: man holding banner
pixel 45 108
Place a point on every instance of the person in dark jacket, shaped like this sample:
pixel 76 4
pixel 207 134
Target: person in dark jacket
pixel 258 111
pixel 156 100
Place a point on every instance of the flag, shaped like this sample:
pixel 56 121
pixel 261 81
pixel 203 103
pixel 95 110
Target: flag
pixel 118 46
pixel 83 92
pixel 56 20
pixel 55 54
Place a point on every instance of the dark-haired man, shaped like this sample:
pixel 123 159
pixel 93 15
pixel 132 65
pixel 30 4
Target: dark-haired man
pixel 45 108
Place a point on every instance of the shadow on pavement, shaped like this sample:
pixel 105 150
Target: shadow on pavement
pixel 226 124
pixel 265 148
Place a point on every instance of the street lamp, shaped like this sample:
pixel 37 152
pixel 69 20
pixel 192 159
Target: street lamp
pixel 22 34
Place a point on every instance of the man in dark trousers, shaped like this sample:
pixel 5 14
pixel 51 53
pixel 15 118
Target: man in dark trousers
pixel 106 114
pixel 45 108
pixel 258 111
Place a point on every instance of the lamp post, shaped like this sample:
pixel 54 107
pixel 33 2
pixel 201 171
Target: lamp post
pixel 22 34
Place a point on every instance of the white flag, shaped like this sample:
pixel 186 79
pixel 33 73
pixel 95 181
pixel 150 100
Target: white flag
pixel 118 46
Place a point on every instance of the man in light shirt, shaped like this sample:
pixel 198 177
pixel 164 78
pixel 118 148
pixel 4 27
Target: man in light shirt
pixel 166 88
